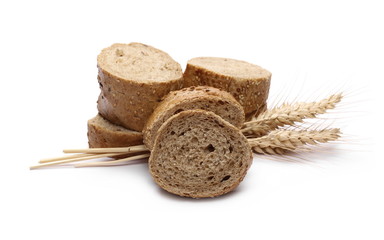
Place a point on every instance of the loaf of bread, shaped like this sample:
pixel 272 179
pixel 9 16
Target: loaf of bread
pixel 198 154
pixel 247 82
pixel 202 97
pixel 133 78
pixel 103 134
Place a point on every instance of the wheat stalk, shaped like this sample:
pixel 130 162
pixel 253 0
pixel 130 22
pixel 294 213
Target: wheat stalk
pixel 134 152
pixel 276 142
pixel 288 114
pixel 281 141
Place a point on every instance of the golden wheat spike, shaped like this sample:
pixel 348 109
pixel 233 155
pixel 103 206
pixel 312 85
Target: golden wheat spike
pixel 281 141
pixel 288 114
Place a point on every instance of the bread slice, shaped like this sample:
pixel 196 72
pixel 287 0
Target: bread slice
pixel 201 97
pixel 103 134
pixel 133 78
pixel 198 154
pixel 247 82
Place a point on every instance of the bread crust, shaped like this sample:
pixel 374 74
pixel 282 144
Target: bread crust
pixel 179 174
pixel 103 134
pixel 251 92
pixel 130 102
pixel 201 97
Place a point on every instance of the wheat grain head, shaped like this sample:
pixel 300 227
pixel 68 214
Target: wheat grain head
pixel 288 114
pixel 281 141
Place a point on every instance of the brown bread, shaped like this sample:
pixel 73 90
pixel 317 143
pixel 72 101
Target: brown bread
pixel 103 134
pixel 198 154
pixel 247 82
pixel 133 78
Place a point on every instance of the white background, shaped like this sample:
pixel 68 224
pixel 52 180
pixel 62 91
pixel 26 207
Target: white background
pixel 49 90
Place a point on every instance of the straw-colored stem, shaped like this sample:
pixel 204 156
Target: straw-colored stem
pixel 74 156
pixel 73 160
pixel 137 148
pixel 111 163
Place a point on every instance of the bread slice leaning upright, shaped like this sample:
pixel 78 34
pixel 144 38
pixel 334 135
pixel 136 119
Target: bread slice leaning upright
pixel 202 97
pixel 103 134
pixel 247 82
pixel 133 78
pixel 198 154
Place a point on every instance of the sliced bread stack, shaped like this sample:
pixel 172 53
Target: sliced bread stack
pixel 133 79
pixel 193 133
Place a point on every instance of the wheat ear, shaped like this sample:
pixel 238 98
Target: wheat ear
pixel 288 114
pixel 281 141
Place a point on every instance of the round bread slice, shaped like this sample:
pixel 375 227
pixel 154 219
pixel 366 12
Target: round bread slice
pixel 133 79
pixel 103 134
pixel 247 82
pixel 198 154
pixel 202 97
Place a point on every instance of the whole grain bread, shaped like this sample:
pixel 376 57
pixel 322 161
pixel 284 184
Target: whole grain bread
pixel 103 134
pixel 202 97
pixel 133 78
pixel 247 82
pixel 198 154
